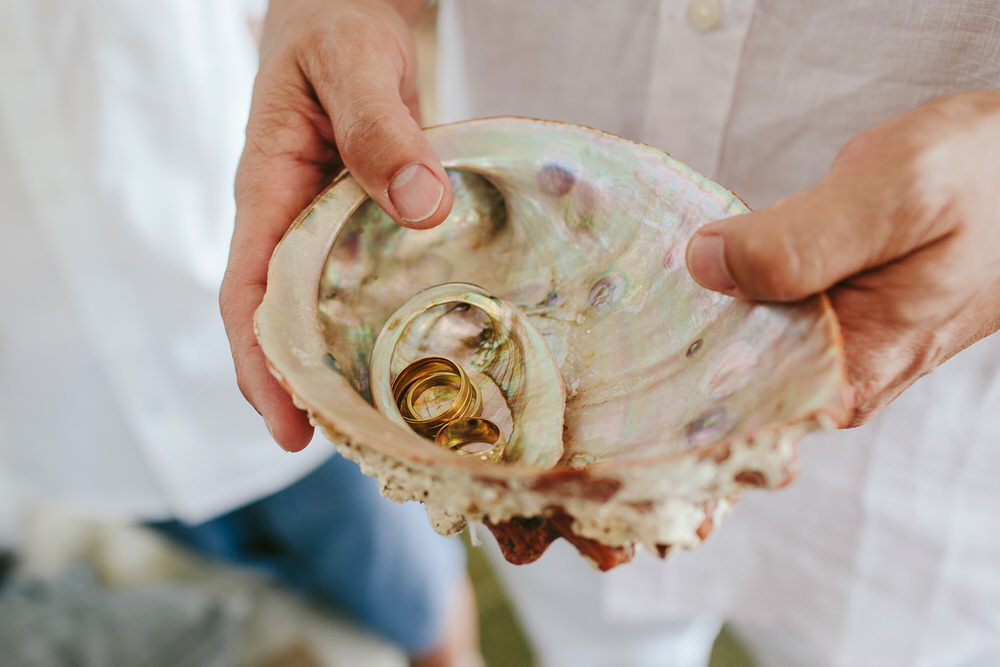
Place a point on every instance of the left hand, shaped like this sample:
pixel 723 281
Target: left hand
pixel 904 232
pixel 336 86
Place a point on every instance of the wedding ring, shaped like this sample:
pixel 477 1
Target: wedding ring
pixel 457 435
pixel 427 373
pixel 468 402
pixel 419 368
pixel 407 402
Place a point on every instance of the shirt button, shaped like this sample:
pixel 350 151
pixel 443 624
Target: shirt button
pixel 704 14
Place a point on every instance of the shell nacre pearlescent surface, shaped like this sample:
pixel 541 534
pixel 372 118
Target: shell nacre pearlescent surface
pixel 676 399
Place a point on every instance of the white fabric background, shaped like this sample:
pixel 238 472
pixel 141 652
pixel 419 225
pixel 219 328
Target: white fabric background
pixel 120 127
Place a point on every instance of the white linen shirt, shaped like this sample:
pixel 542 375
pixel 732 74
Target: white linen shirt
pixel 120 129
pixel 886 550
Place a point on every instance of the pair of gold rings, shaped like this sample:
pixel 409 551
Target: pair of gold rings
pixel 428 373
pixel 458 426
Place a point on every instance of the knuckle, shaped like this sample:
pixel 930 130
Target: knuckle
pixel 772 266
pixel 364 140
pixel 360 132
pixel 925 205
pixel 347 40
pixel 284 120
pixel 355 26
pixel 323 31
pixel 275 130
pixel 313 41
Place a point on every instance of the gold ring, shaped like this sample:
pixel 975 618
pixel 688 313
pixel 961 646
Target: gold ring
pixel 429 372
pixel 468 402
pixel 419 368
pixel 455 435
pixel 407 402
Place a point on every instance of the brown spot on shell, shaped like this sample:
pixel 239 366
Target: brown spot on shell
pixel 499 483
pixel 554 179
pixel 693 348
pixel 606 290
pixel 578 484
pixel 750 478
pixel 718 452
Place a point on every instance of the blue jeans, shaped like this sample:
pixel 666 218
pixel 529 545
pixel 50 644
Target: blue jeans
pixel 333 537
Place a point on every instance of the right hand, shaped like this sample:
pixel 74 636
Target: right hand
pixel 336 88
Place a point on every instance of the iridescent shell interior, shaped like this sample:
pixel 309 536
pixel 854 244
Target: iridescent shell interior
pixel 676 398
pixel 588 240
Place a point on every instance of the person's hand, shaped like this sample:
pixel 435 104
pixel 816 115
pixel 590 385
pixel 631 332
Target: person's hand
pixel 336 87
pixel 904 232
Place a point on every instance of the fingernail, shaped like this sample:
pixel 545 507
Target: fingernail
pixel 707 262
pixel 416 193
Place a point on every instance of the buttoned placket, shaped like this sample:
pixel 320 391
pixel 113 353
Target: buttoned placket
pixel 696 64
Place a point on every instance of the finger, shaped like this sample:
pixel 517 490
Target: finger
pixel 265 207
pixel 281 170
pixel 288 425
pixel 797 247
pixel 377 135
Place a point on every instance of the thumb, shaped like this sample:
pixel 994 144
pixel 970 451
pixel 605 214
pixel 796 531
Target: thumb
pixel 382 145
pixel 795 248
